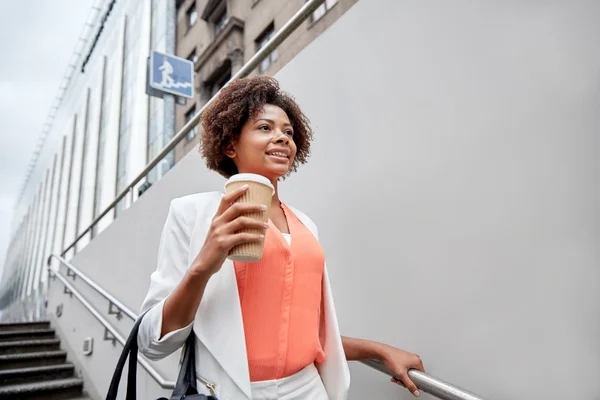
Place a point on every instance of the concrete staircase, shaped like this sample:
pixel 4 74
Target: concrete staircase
pixel 32 365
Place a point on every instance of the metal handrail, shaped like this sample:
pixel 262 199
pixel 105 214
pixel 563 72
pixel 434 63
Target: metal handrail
pixel 301 15
pixel 94 286
pixel 424 382
pixel 428 383
pixel 142 361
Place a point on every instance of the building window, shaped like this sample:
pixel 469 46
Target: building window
pixel 193 57
pixel 221 81
pixel 322 10
pixel 220 21
pixel 215 14
pixel 211 88
pixel 261 41
pixel 192 15
pixel 188 117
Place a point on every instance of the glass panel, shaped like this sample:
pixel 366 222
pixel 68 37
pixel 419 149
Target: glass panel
pixel 220 22
pixel 188 116
pixel 261 42
pixel 319 12
pixel 192 16
pixel 193 57
pixel 330 3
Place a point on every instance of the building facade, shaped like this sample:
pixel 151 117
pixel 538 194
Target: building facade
pixel 105 130
pixel 219 36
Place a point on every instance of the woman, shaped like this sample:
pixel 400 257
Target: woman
pixel 264 330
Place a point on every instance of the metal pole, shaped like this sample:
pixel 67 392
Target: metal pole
pixel 84 148
pixel 53 243
pixel 24 253
pixel 428 384
pixel 41 230
pixel 32 243
pixel 69 177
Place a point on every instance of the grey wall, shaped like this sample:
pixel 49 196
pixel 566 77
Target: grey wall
pixel 454 182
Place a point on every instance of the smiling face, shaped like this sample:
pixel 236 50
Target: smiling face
pixel 265 145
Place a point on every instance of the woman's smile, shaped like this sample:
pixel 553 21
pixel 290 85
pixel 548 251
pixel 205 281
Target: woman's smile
pixel 279 155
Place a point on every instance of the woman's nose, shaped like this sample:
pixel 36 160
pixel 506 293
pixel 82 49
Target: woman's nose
pixel 281 137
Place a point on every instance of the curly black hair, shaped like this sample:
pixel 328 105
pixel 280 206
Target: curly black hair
pixel 237 102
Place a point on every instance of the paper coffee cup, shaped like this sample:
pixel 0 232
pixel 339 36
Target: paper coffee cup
pixel 260 191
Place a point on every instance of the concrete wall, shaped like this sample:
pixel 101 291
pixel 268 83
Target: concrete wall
pixel 454 181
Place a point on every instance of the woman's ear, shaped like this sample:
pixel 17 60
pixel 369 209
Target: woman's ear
pixel 230 151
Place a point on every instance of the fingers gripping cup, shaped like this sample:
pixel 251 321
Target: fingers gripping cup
pixel 260 191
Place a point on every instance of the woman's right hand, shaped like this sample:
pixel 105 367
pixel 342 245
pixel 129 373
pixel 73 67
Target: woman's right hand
pixel 224 233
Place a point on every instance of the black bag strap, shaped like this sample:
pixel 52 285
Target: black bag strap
pixel 130 349
pixel 186 379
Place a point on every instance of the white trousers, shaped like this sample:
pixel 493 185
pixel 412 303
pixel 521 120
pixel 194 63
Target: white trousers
pixel 303 385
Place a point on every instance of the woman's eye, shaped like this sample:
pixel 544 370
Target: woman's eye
pixel 290 133
pixel 264 127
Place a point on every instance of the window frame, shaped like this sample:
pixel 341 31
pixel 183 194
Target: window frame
pixel 193 56
pixel 261 41
pixel 188 116
pixel 192 10
pixel 325 8
pixel 219 20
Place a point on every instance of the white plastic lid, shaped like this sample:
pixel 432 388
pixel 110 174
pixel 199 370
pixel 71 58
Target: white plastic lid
pixel 250 178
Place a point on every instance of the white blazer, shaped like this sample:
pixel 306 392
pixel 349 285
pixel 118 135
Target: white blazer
pixel 221 361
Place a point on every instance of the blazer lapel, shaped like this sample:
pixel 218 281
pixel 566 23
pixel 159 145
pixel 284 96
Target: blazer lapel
pixel 334 371
pixel 219 324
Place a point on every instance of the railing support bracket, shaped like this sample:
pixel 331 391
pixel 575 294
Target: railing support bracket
pixel 109 336
pixel 71 274
pixel 114 310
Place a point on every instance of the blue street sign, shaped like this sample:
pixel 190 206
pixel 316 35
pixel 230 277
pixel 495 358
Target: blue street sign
pixel 172 74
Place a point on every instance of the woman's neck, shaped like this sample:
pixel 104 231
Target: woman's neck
pixel 275 200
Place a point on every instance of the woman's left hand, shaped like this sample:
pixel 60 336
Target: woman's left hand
pixel 399 362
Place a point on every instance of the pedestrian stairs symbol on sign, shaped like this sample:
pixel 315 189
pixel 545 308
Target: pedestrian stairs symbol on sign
pixel 172 74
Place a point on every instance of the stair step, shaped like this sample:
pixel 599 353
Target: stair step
pixel 44 390
pixel 10 336
pixel 35 374
pixel 21 326
pixel 29 346
pixel 27 360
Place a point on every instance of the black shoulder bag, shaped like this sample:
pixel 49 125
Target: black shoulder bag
pixel 185 388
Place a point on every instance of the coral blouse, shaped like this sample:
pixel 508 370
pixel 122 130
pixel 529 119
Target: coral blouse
pixel 281 303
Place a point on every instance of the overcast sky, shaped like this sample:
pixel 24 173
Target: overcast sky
pixel 37 39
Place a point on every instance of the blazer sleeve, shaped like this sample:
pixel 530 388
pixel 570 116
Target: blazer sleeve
pixel 172 265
